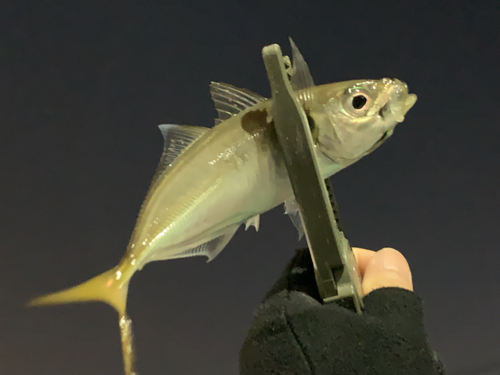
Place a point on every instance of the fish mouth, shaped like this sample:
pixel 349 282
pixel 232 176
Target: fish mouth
pixel 399 101
pixel 409 102
pixel 404 99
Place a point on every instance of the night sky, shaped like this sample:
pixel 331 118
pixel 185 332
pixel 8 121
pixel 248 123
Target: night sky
pixel 83 86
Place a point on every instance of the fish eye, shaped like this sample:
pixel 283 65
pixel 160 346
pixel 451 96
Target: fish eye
pixel 359 101
pixel 356 101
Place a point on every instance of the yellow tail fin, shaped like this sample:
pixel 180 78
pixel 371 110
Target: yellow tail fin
pixel 110 287
pixel 106 287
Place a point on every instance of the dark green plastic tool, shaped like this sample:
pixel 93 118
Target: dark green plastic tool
pixel 336 270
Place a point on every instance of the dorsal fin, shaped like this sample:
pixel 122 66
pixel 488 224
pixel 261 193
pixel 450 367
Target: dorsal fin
pixel 230 100
pixel 301 79
pixel 177 138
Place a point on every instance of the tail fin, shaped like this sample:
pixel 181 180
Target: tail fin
pixel 110 287
pixel 106 287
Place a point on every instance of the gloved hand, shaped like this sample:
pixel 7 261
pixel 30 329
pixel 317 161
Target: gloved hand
pixel 294 333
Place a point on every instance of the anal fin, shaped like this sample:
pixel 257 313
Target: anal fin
pixel 210 248
pixel 213 247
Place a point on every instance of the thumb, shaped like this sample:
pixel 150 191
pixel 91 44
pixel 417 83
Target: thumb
pixel 387 268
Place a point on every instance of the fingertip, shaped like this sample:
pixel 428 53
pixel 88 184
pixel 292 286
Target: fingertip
pixel 387 268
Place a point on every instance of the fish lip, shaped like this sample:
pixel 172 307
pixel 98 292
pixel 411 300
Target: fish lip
pixel 409 102
pixel 398 104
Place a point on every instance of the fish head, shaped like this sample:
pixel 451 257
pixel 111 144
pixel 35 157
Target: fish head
pixel 353 118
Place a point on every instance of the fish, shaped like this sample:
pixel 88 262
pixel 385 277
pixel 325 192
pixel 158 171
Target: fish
pixel 210 181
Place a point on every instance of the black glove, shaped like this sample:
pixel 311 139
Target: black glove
pixel 294 333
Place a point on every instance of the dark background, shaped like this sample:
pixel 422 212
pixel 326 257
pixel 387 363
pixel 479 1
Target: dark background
pixel 83 85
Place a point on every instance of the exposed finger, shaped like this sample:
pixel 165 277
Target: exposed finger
pixel 363 256
pixel 386 268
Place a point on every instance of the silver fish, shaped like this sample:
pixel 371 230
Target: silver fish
pixel 211 181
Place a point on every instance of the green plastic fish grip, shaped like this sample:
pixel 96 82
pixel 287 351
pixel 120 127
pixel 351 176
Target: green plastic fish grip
pixel 335 267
